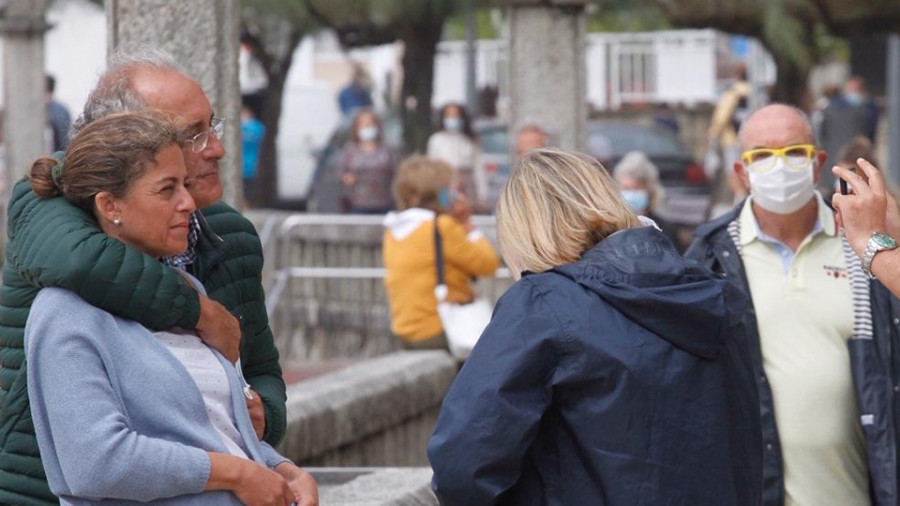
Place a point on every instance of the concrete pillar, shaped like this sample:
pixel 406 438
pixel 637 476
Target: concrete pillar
pixel 471 59
pixel 893 106
pixel 547 78
pixel 25 117
pixel 204 36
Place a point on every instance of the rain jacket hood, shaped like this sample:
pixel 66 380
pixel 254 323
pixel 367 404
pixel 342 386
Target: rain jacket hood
pixel 635 273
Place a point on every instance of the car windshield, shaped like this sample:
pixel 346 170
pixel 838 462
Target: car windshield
pixel 494 140
pixel 621 138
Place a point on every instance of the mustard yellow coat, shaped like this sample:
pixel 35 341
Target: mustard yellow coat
pixel 410 260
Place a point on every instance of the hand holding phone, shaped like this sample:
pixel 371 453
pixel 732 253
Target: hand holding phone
pixel 845 188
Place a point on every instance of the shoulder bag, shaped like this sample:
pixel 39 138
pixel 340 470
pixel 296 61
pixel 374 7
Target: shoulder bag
pixel 463 323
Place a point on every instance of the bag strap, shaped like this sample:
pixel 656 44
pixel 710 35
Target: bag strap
pixel 441 289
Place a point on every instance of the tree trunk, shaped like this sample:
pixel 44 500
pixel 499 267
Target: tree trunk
pixel 791 85
pixel 418 84
pixel 267 171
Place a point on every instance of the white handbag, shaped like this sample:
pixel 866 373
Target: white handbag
pixel 463 323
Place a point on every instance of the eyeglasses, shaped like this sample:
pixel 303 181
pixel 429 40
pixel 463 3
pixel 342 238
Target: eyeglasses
pixel 762 160
pixel 200 141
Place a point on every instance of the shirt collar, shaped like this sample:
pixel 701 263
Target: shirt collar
pixel 183 260
pixel 750 230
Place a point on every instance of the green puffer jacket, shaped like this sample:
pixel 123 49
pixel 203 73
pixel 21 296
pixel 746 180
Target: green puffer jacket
pixel 52 243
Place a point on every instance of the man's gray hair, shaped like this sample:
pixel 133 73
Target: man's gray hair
pixel 114 91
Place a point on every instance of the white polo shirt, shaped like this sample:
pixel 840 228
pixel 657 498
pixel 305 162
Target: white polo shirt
pixel 804 310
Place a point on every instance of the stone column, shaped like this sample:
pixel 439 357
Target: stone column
pixel 25 117
pixel 893 108
pixel 547 78
pixel 204 36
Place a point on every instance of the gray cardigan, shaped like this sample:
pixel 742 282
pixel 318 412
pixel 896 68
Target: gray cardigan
pixel 117 416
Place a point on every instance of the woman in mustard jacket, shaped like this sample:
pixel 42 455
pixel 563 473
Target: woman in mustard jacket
pixel 425 199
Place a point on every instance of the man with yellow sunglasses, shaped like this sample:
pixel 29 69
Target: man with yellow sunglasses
pixel 819 329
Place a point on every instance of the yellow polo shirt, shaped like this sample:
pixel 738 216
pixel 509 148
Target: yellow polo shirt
pixel 804 310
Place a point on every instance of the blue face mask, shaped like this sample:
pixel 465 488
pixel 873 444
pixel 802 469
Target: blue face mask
pixel 638 200
pixel 854 98
pixel 446 197
pixel 453 124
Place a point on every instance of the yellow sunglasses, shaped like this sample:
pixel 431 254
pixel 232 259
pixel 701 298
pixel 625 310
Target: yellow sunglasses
pixel 763 159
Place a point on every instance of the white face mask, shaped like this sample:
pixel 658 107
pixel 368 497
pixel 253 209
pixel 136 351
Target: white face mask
pixel 368 133
pixel 783 190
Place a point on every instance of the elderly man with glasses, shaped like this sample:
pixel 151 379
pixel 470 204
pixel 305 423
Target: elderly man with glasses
pixel 225 254
pixel 823 332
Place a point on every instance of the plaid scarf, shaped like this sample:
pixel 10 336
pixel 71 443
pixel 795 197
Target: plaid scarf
pixel 183 260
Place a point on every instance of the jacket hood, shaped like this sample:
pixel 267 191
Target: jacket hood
pixel 639 272
pixel 403 223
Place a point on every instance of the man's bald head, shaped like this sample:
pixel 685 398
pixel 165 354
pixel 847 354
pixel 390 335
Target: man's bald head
pixel 770 123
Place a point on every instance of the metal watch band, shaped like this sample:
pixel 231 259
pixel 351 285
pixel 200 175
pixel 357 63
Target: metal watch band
pixel 878 242
pixel 869 255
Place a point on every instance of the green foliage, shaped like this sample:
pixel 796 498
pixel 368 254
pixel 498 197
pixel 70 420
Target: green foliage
pixel 485 21
pixel 626 16
pixel 381 14
pixel 788 31
pixel 289 11
pixel 276 27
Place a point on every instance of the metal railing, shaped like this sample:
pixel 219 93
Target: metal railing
pixel 326 297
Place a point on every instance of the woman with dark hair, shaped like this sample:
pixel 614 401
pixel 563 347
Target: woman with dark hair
pixel 121 413
pixel 367 167
pixel 456 143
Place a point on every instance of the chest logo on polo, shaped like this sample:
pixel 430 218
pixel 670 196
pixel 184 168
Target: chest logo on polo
pixel 832 271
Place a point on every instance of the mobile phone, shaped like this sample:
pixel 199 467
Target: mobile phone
pixel 845 188
pixel 446 197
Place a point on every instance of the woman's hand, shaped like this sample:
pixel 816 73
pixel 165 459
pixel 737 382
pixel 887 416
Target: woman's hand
pixel 253 484
pixel 306 491
pixel 260 486
pixel 257 414
pixel 462 211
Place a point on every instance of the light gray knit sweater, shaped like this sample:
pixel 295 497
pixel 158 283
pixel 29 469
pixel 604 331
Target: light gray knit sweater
pixel 117 416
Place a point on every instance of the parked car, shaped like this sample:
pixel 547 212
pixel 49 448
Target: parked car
pixel 688 192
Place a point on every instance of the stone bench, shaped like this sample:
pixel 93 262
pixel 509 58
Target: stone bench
pixel 376 413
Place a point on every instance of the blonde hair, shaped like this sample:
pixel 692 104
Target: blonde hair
pixel 556 206
pixel 418 181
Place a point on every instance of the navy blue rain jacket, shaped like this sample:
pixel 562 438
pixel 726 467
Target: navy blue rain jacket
pixel 621 379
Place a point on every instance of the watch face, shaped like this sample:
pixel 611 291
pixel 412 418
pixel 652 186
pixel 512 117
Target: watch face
pixel 884 241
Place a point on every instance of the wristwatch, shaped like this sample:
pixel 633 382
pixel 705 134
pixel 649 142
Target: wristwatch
pixel 877 243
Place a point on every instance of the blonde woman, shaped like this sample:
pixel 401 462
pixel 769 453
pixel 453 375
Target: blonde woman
pixel 425 199
pixel 612 372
